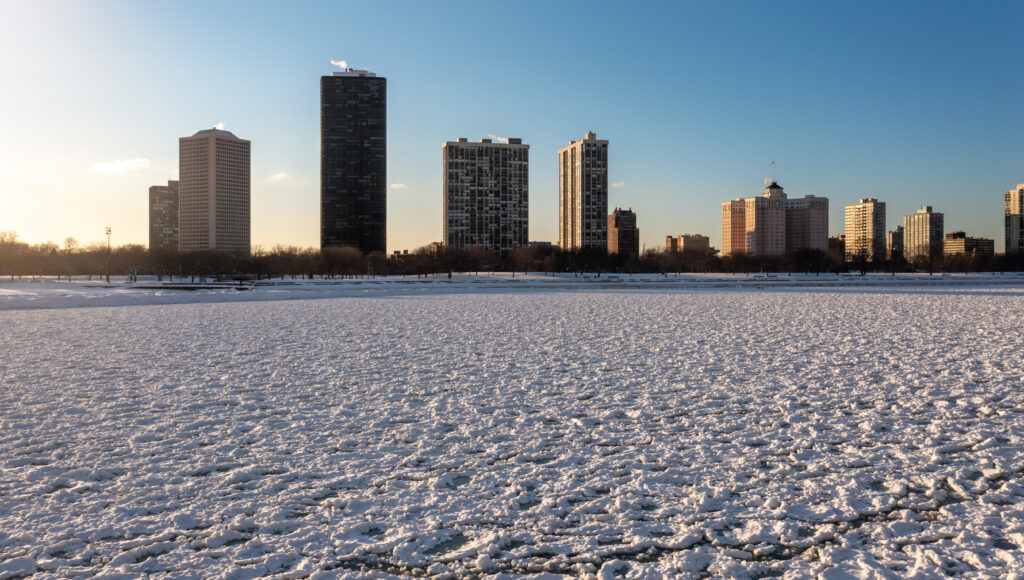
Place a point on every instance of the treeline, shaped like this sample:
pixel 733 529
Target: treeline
pixel 68 260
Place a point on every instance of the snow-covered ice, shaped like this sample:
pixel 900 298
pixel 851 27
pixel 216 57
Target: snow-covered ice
pixel 868 432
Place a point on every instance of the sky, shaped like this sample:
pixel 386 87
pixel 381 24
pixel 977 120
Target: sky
pixel 915 103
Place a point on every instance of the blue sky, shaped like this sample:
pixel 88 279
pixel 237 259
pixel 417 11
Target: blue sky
pixel 914 103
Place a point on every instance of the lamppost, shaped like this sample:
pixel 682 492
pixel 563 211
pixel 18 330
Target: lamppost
pixel 108 254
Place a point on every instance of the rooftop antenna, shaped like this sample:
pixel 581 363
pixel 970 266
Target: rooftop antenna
pixel 773 172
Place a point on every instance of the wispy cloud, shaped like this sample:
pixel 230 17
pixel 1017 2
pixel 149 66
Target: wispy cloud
pixel 279 176
pixel 122 166
pixel 619 184
pixel 340 63
pixel 496 138
pixel 397 186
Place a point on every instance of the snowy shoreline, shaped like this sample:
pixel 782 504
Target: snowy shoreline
pixel 48 293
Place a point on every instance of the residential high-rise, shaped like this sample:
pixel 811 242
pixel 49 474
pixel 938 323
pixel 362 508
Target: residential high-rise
pixel 353 160
pixel 807 223
pixel 486 194
pixel 623 235
pixel 214 192
pixel 755 226
pixel 1013 215
pixel 922 234
pixel 583 194
pixel 766 222
pixel 959 244
pixel 894 243
pixel 163 216
pixel 734 227
pixel 865 230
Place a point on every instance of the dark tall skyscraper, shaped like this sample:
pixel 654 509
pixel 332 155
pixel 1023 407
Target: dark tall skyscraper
pixel 353 161
pixel 163 216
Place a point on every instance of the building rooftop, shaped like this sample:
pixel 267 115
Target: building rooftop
pixel 217 132
pixel 510 141
pixel 353 72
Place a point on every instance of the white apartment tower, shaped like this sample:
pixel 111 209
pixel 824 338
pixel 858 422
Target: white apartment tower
pixel 922 234
pixel 1013 210
pixel 583 194
pixel 213 192
pixel 486 194
pixel 865 230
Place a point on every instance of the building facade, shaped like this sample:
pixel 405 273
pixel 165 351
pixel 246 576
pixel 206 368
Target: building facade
pixel 766 222
pixel 772 224
pixel 486 194
pixel 623 235
pixel 734 227
pixel 583 194
pixel 865 230
pixel 755 226
pixel 807 223
pixel 214 187
pixel 689 243
pixel 837 247
pixel 163 216
pixel 922 234
pixel 353 161
pixel 1013 216
pixel 960 244
pixel 894 243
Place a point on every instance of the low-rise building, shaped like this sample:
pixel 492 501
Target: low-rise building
pixel 960 244
pixel 689 243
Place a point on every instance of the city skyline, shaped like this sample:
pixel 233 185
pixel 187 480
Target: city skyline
pixel 858 116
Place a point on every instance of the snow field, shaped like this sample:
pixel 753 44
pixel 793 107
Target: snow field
pixel 739 433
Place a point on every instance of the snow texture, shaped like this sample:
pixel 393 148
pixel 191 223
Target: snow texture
pixel 844 433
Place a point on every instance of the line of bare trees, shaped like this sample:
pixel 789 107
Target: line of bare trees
pixel 69 260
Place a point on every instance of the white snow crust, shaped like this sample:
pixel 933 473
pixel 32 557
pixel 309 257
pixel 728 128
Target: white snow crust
pixel 799 433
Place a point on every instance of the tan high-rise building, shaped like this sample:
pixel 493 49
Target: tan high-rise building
pixel 922 234
pixel 894 243
pixel 623 235
pixel 734 227
pixel 214 192
pixel 807 223
pixel 1013 215
pixel 486 194
pixel 865 230
pixel 583 194
pixel 755 226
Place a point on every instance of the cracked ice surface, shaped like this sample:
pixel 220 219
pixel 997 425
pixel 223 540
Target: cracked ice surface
pixel 724 433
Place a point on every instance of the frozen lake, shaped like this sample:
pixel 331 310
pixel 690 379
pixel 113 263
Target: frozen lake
pixel 873 431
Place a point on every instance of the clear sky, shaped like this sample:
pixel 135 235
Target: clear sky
pixel 911 102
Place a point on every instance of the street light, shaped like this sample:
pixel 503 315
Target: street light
pixel 108 253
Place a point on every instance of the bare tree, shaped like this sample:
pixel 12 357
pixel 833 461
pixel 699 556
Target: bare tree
pixel 70 247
